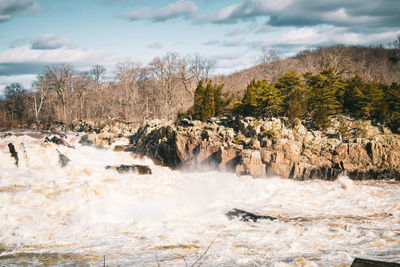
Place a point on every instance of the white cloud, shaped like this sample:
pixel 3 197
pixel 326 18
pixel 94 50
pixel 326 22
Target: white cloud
pixel 25 60
pixel 308 37
pixel 49 41
pixel 181 8
pixel 25 80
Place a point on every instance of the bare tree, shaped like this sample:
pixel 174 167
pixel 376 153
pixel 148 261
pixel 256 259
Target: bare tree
pixel 97 72
pixel 59 78
pixel 39 95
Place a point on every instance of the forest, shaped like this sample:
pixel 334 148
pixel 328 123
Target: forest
pixel 314 84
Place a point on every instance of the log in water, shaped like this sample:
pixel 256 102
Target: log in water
pixel 79 213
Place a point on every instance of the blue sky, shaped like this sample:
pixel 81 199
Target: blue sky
pixel 37 33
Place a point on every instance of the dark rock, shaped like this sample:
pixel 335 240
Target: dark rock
pixel 139 169
pixel 57 139
pixel 372 263
pixel 246 216
pixel 85 140
pixel 63 160
pixel 13 153
pixel 382 174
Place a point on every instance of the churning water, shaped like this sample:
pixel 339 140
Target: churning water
pixel 83 214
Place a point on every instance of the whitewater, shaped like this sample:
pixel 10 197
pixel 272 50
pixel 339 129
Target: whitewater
pixel 84 214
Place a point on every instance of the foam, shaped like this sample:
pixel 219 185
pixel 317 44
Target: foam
pixel 85 209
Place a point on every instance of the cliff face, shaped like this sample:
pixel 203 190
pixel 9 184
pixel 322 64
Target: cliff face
pixel 270 147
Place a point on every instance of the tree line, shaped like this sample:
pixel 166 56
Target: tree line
pixel 314 97
pixel 132 93
pixel 172 84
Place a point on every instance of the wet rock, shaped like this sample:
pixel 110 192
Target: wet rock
pixel 13 153
pixel 246 216
pixel 358 262
pixel 139 169
pixel 57 139
pixel 63 160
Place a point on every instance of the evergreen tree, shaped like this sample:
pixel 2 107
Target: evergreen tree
pixel 248 105
pixel 362 99
pixel 219 102
pixel 288 82
pixel 292 89
pixel 208 107
pixel 393 102
pixel 269 100
pixel 197 110
pixel 326 92
pixel 297 105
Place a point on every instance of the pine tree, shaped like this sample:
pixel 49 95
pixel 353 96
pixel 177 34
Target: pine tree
pixel 297 105
pixel 248 105
pixel 197 110
pixel 326 93
pixel 292 89
pixel 288 82
pixel 393 101
pixel 362 99
pixel 269 100
pixel 219 102
pixel 208 107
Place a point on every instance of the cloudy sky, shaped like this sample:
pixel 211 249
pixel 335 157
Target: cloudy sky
pixel 38 33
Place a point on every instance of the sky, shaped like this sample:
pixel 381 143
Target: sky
pixel 39 33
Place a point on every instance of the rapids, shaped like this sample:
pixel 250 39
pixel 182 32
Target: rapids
pixel 83 214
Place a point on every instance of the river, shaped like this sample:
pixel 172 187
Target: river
pixel 84 214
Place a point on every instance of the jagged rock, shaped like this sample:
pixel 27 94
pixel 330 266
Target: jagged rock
pixel 261 147
pixel 246 216
pixel 13 153
pixel 251 164
pixel 57 139
pixel 139 169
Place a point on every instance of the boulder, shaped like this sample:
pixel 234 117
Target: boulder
pixel 358 262
pixel 138 169
pixel 13 153
pixel 246 216
pixel 63 160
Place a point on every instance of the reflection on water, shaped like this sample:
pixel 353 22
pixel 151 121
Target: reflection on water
pixel 78 214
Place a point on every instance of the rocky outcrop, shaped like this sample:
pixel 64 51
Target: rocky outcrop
pixel 102 134
pixel 262 147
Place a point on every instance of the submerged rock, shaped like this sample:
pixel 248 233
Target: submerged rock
pixel 13 153
pixel 139 169
pixel 246 216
